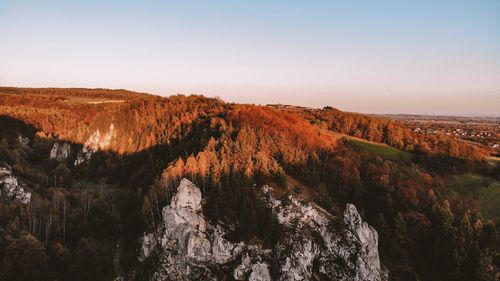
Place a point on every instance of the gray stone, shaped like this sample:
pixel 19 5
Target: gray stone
pixel 60 151
pixel 10 187
pixel 189 248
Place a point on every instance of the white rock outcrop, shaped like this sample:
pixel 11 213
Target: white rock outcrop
pixel 368 261
pixel 24 141
pixel 101 141
pixel 60 151
pixel 313 245
pixel 96 141
pixel 10 187
pixel 260 272
pixel 185 241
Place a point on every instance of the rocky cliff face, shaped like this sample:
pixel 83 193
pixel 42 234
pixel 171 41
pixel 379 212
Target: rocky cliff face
pixel 60 151
pixel 24 141
pixel 10 188
pixel 95 142
pixel 187 247
pixel 314 248
pixel 186 244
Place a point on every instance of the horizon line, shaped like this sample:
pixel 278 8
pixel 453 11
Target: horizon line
pixel 475 115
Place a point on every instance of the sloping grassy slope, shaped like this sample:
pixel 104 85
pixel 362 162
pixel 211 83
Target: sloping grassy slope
pixel 490 201
pixel 383 150
pixel 484 189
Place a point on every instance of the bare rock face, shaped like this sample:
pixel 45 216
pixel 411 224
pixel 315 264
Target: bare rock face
pixel 101 141
pixel 60 151
pixel 260 272
pixel 95 142
pixel 185 225
pixel 24 141
pixel 84 155
pixel 368 261
pixel 187 244
pixel 313 246
pixel 10 187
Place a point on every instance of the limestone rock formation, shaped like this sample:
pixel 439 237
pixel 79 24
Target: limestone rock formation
pixel 10 187
pixel 96 141
pixel 187 244
pixel 313 246
pixel 24 141
pixel 368 261
pixel 190 248
pixel 60 151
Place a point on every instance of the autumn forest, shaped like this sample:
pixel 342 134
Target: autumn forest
pixel 432 199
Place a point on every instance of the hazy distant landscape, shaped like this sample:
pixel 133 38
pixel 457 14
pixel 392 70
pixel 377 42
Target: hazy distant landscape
pixel 483 131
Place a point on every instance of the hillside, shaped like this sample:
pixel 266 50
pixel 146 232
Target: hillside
pixel 88 176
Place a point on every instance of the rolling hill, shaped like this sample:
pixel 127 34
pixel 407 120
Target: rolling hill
pixel 92 177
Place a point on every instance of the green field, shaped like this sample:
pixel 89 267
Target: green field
pixel 481 188
pixel 490 201
pixel 383 150
pixel 467 184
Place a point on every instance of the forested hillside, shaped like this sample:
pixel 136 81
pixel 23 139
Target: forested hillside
pixel 126 152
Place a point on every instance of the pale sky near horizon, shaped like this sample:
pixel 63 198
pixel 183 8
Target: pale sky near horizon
pixel 387 56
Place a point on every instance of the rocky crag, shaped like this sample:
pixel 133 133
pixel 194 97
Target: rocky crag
pixel 10 188
pixel 95 142
pixel 187 247
pixel 60 151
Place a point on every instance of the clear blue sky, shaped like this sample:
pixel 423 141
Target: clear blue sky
pixel 433 57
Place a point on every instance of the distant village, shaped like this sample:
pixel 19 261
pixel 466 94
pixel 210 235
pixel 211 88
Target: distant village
pixel 484 131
